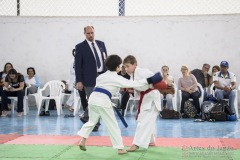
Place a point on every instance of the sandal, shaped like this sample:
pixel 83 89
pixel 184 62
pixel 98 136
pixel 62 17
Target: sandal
pixel 68 115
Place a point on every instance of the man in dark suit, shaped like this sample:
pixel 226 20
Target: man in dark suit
pixel 89 63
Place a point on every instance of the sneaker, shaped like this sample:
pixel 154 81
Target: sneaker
pixel 19 114
pixel 4 113
pixel 42 113
pixel 47 113
pixel 81 115
pixel 84 119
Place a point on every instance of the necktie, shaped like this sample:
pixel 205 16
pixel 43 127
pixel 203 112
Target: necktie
pixel 96 56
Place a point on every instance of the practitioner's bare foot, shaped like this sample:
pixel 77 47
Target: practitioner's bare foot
pixel 121 151
pixel 152 144
pixel 133 148
pixel 82 144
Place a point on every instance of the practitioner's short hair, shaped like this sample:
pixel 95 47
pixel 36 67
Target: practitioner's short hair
pixel 112 62
pixel 130 59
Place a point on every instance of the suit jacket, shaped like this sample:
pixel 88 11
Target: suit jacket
pixel 85 63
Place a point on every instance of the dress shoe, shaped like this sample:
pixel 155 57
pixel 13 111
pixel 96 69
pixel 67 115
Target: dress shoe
pixel 83 119
pixel 95 129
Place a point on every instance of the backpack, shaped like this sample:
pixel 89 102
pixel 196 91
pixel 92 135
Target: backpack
pixel 206 109
pixel 220 111
pixel 189 109
pixel 169 114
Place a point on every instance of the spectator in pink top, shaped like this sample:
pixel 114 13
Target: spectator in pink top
pixel 188 85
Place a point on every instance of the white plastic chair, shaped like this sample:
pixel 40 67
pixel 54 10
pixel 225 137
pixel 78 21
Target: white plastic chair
pixel 77 101
pixel 64 96
pixel 25 104
pixel 200 98
pixel 235 100
pixel 55 92
pixel 131 103
pixel 35 95
pixel 174 98
pixel 116 97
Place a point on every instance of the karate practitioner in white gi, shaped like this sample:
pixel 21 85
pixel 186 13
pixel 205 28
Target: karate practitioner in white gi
pixel 100 105
pixel 149 109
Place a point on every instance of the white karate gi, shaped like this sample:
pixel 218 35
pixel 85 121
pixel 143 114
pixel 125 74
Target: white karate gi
pixel 150 107
pixel 100 105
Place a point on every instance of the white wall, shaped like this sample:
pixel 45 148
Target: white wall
pixel 47 43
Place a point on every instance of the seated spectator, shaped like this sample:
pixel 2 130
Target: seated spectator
pixel 66 90
pixel 124 91
pixel 32 81
pixel 71 84
pixel 13 87
pixel 203 77
pixel 215 69
pixel 3 74
pixel 225 83
pixel 188 85
pixel 167 94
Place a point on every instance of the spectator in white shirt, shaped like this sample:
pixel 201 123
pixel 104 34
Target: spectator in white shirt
pixel 32 80
pixel 225 83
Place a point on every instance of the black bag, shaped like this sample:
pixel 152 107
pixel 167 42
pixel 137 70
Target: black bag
pixel 218 116
pixel 169 114
pixel 206 109
pixel 189 109
pixel 220 111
